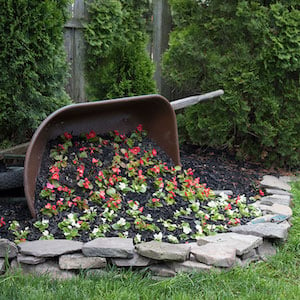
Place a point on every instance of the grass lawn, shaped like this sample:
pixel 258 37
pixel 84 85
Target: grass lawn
pixel 279 278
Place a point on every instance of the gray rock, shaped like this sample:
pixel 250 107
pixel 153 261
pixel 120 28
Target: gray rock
pixel 136 261
pixel 242 243
pixel 288 179
pixel 266 250
pixel 226 192
pixel 49 268
pixel 162 270
pixel 277 209
pixel 8 248
pixel 276 199
pixel 273 182
pixel 189 266
pixel 2 266
pixel 79 261
pixel 249 254
pixel 109 247
pixel 30 260
pixel 49 248
pixel 265 230
pixel 277 192
pixel 262 219
pixel 211 254
pixel 164 251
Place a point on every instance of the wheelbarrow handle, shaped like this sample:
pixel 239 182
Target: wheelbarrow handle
pixel 189 101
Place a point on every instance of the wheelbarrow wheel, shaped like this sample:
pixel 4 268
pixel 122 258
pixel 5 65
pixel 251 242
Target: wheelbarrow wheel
pixel 11 178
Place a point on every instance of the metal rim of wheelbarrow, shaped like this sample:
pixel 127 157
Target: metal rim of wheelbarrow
pixel 124 114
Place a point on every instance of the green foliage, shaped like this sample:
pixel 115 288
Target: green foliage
pixel 117 62
pixel 251 49
pixel 32 64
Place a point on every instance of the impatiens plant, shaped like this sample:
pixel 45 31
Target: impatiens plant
pixel 122 184
pixel 20 234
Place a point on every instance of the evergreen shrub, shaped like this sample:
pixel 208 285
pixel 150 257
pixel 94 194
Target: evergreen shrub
pixel 117 63
pixel 251 49
pixel 32 65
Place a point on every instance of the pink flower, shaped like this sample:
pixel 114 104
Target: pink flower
pixel 261 193
pixel 116 170
pixel 54 169
pixel 228 206
pixel 141 209
pixel 2 223
pixel 94 160
pixel 48 206
pixel 154 152
pixel 50 186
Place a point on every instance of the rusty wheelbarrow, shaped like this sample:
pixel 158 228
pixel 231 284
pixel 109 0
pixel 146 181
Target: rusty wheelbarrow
pixel 155 112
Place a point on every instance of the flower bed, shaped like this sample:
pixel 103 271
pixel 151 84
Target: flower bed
pixel 121 185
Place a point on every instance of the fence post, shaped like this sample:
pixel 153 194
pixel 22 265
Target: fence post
pixel 75 49
pixel 162 23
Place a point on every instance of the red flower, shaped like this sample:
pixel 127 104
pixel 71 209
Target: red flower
pixel 55 176
pixel 228 206
pixel 116 170
pixel 154 152
pixel 261 193
pixel 140 127
pixel 91 135
pixel 54 169
pixel 141 209
pixel 135 150
pixel 68 136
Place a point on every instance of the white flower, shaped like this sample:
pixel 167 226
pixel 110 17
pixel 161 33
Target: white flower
pixel 122 186
pixel 44 222
pixel 95 230
pixel 149 217
pixel 158 236
pixel 45 233
pixel 121 222
pixel 199 228
pixel 186 229
pixel 138 238
pixel 212 204
pixel 173 239
pixel 125 233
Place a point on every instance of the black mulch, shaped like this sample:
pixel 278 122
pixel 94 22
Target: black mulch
pixel 218 169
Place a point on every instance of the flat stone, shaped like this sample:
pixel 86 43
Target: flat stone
pixel 262 219
pixel 276 199
pixel 136 261
pixel 277 192
pixel 189 266
pixel 242 243
pixel 266 250
pixel 274 182
pixel 226 192
pixel 2 266
pixel 50 268
pixel 220 256
pixel 8 248
pixel 265 230
pixel 79 261
pixel 109 247
pixel 162 270
pixel 288 179
pixel 164 251
pixel 277 209
pixel 30 260
pixel 49 248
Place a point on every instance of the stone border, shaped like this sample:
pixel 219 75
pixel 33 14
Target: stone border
pixel 244 244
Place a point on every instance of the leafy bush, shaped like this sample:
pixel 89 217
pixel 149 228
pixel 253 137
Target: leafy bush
pixel 32 64
pixel 117 62
pixel 251 49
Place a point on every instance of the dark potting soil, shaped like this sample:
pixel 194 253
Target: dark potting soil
pixel 218 169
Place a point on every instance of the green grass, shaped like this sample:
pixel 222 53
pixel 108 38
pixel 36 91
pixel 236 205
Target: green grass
pixel 279 278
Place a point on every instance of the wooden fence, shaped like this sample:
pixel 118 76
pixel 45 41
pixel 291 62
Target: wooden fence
pixel 75 46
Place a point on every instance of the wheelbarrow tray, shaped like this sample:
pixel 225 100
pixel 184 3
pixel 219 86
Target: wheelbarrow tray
pixel 154 112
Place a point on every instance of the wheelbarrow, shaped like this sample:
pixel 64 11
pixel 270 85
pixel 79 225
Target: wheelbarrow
pixel 155 112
